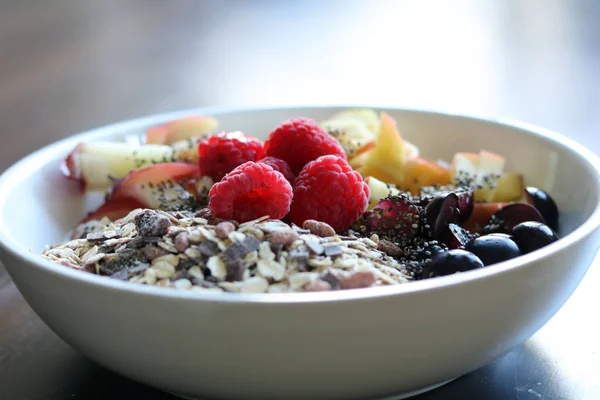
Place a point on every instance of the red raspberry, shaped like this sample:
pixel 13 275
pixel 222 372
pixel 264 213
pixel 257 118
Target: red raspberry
pixel 328 190
pixel 250 191
pixel 298 141
pixel 220 154
pixel 281 166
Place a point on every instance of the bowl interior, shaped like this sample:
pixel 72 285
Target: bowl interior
pixel 38 206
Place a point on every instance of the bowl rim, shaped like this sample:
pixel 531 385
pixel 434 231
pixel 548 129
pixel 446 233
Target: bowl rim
pixel 34 161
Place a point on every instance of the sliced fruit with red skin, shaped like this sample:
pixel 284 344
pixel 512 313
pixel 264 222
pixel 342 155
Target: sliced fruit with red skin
pixel 164 186
pixel 113 209
pixel 464 166
pixel 96 165
pixel 513 214
pixel 181 129
pixel 455 236
pixel 393 214
pixel 466 204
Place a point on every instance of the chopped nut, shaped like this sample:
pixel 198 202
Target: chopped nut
pixel 150 275
pixel 196 272
pixel 284 237
pixel 318 286
pixel 223 229
pixel 389 248
pixel 181 241
pixel 318 228
pixel 359 279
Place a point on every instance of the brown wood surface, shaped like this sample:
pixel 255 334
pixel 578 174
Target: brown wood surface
pixel 71 65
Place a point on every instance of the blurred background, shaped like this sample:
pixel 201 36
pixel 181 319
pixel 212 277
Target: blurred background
pixel 71 65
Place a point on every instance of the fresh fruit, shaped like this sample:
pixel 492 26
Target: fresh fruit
pixel 187 150
pixel 394 217
pixel 509 187
pixel 489 169
pixel 463 168
pixel 220 154
pixel 482 212
pixel 511 215
pixel 385 162
pixel 450 262
pixel 353 135
pixel 298 141
pixel 456 236
pixel 281 166
pixel 367 116
pixel 544 204
pixel 531 236
pixel 96 165
pixel 252 190
pixel 113 209
pixel 493 248
pixel 418 172
pixel 181 129
pixel 379 190
pixel 161 186
pixel 328 190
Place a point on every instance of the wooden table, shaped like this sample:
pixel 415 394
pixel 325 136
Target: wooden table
pixel 68 65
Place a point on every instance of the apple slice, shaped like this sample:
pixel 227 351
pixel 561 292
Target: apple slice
pixel 181 129
pixel 352 134
pixel 367 116
pixel 113 210
pixel 379 190
pixel 509 187
pixel 464 167
pixel 98 164
pixel 489 170
pixel 164 186
pixel 386 160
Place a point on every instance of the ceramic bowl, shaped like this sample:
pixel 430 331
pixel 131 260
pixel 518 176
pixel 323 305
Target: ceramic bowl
pixel 364 343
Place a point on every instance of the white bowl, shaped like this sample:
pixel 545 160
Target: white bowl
pixel 346 344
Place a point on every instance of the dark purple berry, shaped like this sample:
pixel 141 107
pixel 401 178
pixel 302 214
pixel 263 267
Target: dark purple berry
pixel 545 205
pixel 493 248
pixel 531 236
pixel 450 262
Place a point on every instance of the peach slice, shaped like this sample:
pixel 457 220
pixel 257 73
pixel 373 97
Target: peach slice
pixel 181 129
pixel 419 172
pixel 385 161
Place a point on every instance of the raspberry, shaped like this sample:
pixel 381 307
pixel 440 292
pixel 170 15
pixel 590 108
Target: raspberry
pixel 250 191
pixel 328 190
pixel 298 141
pixel 220 154
pixel 281 166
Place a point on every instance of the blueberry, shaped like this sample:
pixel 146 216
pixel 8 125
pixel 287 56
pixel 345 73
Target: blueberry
pixel 531 236
pixel 450 262
pixel 545 205
pixel 493 248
